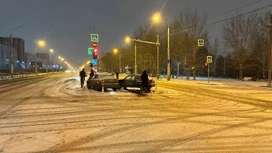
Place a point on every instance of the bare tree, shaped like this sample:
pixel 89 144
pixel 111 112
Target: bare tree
pixel 192 27
pixel 237 33
pixel 260 44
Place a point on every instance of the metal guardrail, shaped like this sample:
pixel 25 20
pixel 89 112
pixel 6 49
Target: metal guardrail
pixel 7 76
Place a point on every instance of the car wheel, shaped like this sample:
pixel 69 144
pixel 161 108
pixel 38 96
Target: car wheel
pixel 89 86
pixel 114 89
pixel 124 86
pixel 97 87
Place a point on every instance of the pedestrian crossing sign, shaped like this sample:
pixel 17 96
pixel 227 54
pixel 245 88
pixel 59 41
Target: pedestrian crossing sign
pixel 209 59
pixel 200 42
pixel 94 37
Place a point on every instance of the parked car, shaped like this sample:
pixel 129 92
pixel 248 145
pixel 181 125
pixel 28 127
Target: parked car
pixel 97 80
pixel 134 81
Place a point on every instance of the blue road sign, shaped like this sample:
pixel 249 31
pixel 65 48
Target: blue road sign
pixel 94 38
pixel 94 62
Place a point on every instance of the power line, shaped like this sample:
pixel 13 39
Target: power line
pixel 215 22
pixel 235 9
pixel 257 1
pixel 258 9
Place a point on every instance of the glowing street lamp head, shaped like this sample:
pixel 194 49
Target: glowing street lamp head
pixel 156 18
pixel 41 43
pixel 62 59
pixel 127 40
pixel 59 57
pixel 115 50
pixel 51 50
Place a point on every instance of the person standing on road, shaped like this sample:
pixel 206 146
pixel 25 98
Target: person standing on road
pixel 117 74
pixel 82 75
pixel 92 73
pixel 144 79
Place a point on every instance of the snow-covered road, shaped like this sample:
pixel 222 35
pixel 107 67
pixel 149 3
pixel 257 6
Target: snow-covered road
pixel 53 114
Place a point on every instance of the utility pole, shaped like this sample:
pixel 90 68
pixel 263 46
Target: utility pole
pixel 168 54
pixel 225 67
pixel 208 72
pixel 135 66
pixel 158 57
pixel 270 58
pixel 36 71
pixel 120 69
pixel 208 65
pixel 47 64
pixel 11 53
pixel 178 69
pixel 11 57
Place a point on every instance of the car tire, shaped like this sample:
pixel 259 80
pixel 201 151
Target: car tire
pixel 97 87
pixel 124 87
pixel 89 86
pixel 114 89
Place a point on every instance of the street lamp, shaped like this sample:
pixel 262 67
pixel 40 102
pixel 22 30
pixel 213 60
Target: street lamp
pixel 115 51
pixel 156 18
pixel 41 43
pixel 127 40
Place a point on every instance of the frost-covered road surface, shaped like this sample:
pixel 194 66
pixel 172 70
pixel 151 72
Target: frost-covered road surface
pixel 52 114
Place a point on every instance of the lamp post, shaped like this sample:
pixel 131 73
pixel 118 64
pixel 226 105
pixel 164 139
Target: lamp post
pixel 52 51
pixel 156 18
pixel 41 43
pixel 116 51
pixel 11 53
pixel 62 59
pixel 59 57
pixel 270 53
pixel 128 39
pixel 168 55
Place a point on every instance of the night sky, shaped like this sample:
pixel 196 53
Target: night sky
pixel 66 24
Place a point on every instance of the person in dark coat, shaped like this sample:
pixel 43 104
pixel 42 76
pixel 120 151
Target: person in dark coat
pixel 117 74
pixel 82 75
pixel 92 73
pixel 144 79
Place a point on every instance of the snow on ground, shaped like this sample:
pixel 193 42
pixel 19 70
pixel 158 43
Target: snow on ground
pixel 56 115
pixel 247 88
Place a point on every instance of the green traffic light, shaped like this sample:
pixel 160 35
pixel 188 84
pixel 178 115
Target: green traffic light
pixel 90 51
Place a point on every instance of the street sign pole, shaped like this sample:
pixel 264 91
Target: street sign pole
pixel 209 61
pixel 168 54
pixel 208 72
pixel 135 66
pixel 270 54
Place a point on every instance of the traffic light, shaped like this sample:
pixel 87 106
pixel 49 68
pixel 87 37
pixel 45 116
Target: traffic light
pixel 95 53
pixel 90 51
